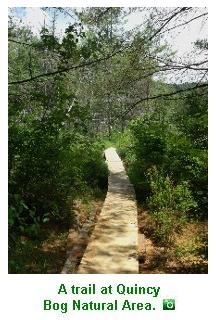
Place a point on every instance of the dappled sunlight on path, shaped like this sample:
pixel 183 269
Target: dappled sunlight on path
pixel 114 241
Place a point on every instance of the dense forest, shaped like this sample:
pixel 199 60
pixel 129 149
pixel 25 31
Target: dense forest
pixel 98 84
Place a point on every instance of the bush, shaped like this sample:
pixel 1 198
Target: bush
pixel 21 219
pixel 189 164
pixel 174 140
pixel 169 205
pixel 149 140
pixel 46 170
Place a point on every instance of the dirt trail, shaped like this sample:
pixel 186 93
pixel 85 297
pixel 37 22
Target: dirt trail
pixel 114 242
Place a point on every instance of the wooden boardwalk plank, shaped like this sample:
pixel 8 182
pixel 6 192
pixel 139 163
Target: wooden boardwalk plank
pixel 114 242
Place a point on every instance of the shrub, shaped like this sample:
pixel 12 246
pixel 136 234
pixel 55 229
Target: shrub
pixel 174 140
pixel 169 205
pixel 46 170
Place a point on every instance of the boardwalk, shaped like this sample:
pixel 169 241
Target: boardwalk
pixel 114 241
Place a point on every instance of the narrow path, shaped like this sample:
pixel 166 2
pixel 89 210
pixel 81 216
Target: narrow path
pixel 114 242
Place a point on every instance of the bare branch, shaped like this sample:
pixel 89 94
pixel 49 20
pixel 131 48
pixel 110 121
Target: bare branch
pixel 167 21
pixel 185 23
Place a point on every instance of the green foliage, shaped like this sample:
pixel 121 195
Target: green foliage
pixel 168 204
pixel 193 119
pixel 70 164
pixel 175 141
pixel 149 140
pixel 76 89
pixel 166 195
pixel 53 157
pixel 165 151
pixel 48 40
pixel 201 44
pixel 188 148
pixel 21 219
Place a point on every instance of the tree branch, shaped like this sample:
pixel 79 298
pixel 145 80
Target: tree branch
pixel 167 21
pixel 52 73
pixel 185 23
pixel 19 42
pixel 163 96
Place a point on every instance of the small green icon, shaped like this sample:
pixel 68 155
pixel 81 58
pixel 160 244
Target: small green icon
pixel 168 304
